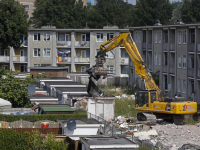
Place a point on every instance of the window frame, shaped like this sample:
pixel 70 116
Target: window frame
pixel 38 35
pixel 36 49
pixel 84 68
pixel 110 35
pixel 183 86
pixel 47 49
pixel 160 37
pixel 184 37
pixel 25 6
pixel 179 85
pixel 155 37
pixel 179 37
pixel 159 59
pixel 179 61
pixel 45 36
pixel 101 38
pixel 155 59
pixel 109 68
pixel 184 62
pixel 36 65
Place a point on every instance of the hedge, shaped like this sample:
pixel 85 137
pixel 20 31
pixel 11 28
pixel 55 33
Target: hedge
pixel 79 114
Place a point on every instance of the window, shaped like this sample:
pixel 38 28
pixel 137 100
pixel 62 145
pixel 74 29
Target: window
pixel 140 37
pixel 36 65
pixel 28 16
pixel 99 37
pixel 184 61
pixel 26 6
pixel 179 37
pixel 136 37
pixel 45 65
pixel 183 86
pixel 36 52
pixel 124 69
pixel 110 54
pixel 23 40
pixel 184 37
pixel 159 38
pixel 61 37
pixel 192 62
pixel 179 61
pixel 165 59
pixel 156 37
pixel 110 69
pixel 110 36
pixel 155 59
pixel 144 36
pixel 46 37
pixel 46 52
pixel 36 36
pixel 124 54
pixel 165 37
pixel 192 39
pixel 159 59
pixel 83 68
pixel 83 53
pixel 179 85
pixel 83 37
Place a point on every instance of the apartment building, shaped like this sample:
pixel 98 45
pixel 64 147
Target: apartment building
pixel 29 6
pixel 174 51
pixel 72 48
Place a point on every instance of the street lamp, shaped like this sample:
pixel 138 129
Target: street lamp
pixel 101 102
pixel 41 79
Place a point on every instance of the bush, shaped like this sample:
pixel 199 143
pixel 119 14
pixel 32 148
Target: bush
pixel 22 141
pixel 38 76
pixel 79 114
pixel 191 121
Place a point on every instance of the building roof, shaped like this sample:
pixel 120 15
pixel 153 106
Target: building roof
pixel 164 26
pixel 72 89
pixel 62 83
pixel 79 95
pixel 82 121
pixel 108 143
pixel 42 97
pixel 60 108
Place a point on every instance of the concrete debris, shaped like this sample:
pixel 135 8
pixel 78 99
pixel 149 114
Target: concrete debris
pixel 146 133
pixel 130 97
pixel 198 124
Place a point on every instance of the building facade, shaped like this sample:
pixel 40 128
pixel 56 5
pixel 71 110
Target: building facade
pixel 173 51
pixel 72 48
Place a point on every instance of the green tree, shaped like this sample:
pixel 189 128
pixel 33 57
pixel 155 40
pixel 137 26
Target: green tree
pixel 190 11
pixel 109 12
pixel 146 12
pixel 13 23
pixel 14 89
pixel 176 13
pixel 60 13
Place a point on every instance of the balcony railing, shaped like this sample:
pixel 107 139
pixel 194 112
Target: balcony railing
pixel 149 45
pixel 172 47
pixel 82 43
pixel 144 45
pixel 64 43
pixel 172 70
pixel 124 61
pixel 165 46
pixel 20 59
pixel 82 60
pixel 63 59
pixel 191 47
pixel 4 58
pixel 198 73
pixel 164 68
pixel 191 72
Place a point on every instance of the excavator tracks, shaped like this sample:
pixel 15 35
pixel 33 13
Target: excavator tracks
pixel 151 118
pixel 177 119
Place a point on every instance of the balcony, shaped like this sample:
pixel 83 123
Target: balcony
pixel 191 72
pixel 63 59
pixel 165 47
pixel 144 45
pixel 172 47
pixel 198 73
pixel 64 44
pixel 20 59
pixel 124 61
pixel 172 70
pixel 191 47
pixel 164 68
pixel 149 46
pixel 82 60
pixel 82 44
pixel 4 58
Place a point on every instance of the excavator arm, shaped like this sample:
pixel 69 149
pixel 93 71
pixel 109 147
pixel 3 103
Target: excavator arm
pixel 126 40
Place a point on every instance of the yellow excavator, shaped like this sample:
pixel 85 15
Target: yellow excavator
pixel 150 103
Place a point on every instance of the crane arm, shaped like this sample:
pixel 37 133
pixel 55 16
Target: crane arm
pixel 126 40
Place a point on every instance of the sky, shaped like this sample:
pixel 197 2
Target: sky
pixel 131 1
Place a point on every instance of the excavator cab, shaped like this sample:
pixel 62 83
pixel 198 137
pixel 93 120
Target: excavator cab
pixel 144 97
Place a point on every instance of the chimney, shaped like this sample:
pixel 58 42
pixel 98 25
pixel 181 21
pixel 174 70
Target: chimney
pixel 157 23
pixel 179 21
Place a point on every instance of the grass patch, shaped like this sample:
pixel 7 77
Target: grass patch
pixel 191 121
pixel 124 106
